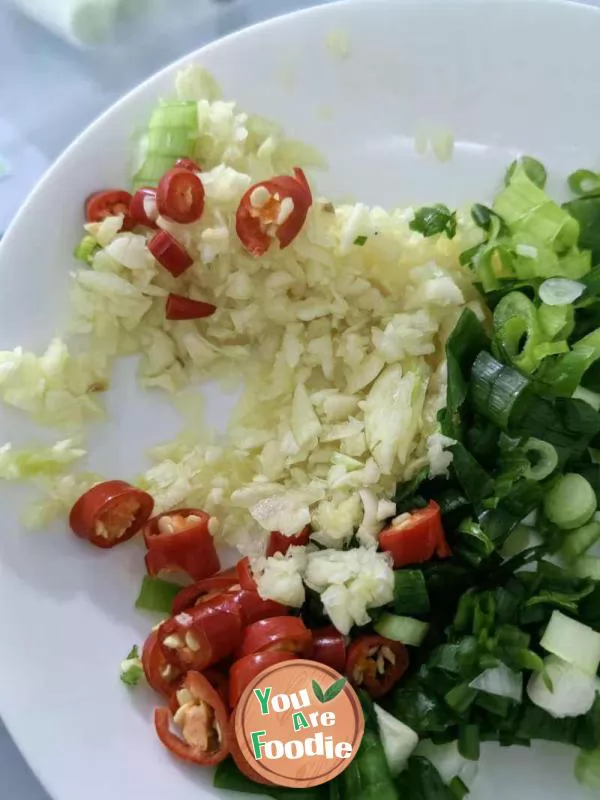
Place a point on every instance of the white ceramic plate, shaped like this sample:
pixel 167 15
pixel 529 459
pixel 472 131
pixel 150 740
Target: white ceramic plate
pixel 505 77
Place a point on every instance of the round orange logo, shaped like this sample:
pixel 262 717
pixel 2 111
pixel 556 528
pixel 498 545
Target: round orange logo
pixel 299 724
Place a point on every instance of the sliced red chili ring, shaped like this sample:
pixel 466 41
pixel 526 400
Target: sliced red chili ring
pixel 169 253
pixel 180 196
pixel 203 719
pixel 179 307
pixel 180 541
pixel 417 538
pixel 162 676
pixel 287 634
pixel 253 608
pixel 245 669
pixel 202 591
pixel 110 513
pixel 220 683
pixel 279 543
pixel 329 647
pixel 376 663
pixel 201 636
pixel 245 576
pixel 109 203
pixel 273 209
pixel 142 209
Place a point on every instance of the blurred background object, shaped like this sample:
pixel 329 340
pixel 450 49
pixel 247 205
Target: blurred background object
pixel 98 22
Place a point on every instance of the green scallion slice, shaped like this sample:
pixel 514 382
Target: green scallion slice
pixel 570 502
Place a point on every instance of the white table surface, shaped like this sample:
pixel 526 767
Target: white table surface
pixel 49 92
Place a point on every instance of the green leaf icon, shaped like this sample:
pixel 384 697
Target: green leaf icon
pixel 334 690
pixel 318 692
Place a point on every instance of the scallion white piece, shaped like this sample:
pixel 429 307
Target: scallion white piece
pixel 448 761
pixel 398 740
pixel 560 291
pixel 570 502
pixel 572 641
pixel 562 689
pixel 500 681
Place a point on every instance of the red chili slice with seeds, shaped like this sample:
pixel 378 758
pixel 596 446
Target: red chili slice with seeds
pixel 273 209
pixel 202 636
pixel 110 513
pixel 180 541
pixel 180 196
pixel 203 719
pixel 376 664
pixel 142 209
pixel 160 674
pixel 109 203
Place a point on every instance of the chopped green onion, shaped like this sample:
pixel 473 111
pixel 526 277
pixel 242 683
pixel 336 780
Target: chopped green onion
pixel 360 240
pixel 566 374
pixel 498 706
pixel 131 671
pixel 467 339
pixel 584 181
pixel 587 768
pixel 410 592
pixel 556 320
pixel 86 249
pixel 534 169
pixel 460 698
pixel 591 398
pixel 545 462
pixel 533 218
pixel 156 595
pixel 448 762
pixel 152 170
pixel 468 742
pixel 574 642
pixel 585 211
pixel 459 789
pixel 483 376
pixel 483 217
pixel 570 502
pixel 498 392
pixel 474 544
pixel 500 681
pixel 521 538
pixel 407 630
pixel 172 134
pixel 517 330
pixel 588 567
pixel 560 291
pixel 432 220
pixel 579 541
